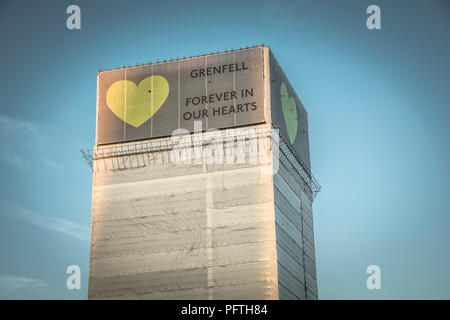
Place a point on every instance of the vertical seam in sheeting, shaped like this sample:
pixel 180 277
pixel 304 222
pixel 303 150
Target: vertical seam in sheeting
pixel 234 89
pixel 151 105
pixel 209 231
pixel 303 247
pixel 264 87
pixel 125 104
pixel 206 92
pixel 179 106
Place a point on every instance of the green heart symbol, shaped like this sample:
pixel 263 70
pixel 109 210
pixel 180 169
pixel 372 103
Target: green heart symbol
pixel 289 108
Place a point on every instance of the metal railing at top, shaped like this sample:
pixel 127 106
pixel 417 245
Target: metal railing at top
pixel 296 164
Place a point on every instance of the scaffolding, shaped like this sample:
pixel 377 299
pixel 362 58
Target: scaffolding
pixel 140 154
pixel 297 167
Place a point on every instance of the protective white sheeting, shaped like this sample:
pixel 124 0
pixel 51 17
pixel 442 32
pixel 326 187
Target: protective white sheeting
pixel 295 238
pixel 173 231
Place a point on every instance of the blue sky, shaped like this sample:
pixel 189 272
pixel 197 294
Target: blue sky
pixel 379 112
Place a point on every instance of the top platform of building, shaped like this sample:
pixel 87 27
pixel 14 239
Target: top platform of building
pixel 183 58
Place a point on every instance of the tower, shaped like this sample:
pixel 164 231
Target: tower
pixel 202 185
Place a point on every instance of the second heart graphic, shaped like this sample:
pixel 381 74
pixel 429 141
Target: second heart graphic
pixel 289 108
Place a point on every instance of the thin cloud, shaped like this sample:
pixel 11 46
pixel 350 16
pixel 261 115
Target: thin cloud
pixel 18 287
pixel 14 125
pixel 52 164
pixel 15 132
pixel 16 161
pixel 67 227
pixel 14 283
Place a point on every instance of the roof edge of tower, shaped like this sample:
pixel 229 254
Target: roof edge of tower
pixel 161 61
